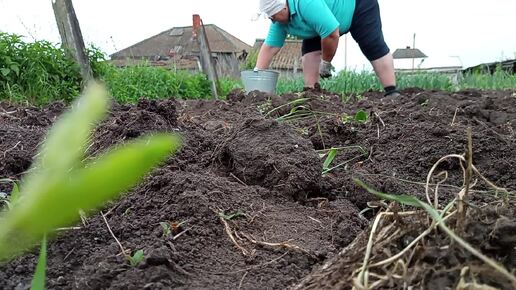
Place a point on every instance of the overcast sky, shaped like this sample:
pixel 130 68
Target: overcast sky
pixel 471 31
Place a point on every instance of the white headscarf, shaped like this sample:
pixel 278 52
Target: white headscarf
pixel 271 7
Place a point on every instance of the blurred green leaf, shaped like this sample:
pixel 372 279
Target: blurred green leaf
pixel 59 185
pixel 38 281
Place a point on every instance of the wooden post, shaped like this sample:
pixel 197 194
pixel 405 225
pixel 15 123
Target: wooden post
pixel 207 64
pixel 413 51
pixel 71 36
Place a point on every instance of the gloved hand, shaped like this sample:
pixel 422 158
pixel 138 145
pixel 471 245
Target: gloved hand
pixel 391 91
pixel 325 69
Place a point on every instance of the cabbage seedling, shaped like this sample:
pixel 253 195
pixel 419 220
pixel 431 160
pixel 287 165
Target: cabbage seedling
pixel 136 258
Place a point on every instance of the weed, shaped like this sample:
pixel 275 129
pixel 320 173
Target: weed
pixel 232 216
pixel 359 117
pixel 331 153
pixel 329 159
pixel 167 229
pixel 8 199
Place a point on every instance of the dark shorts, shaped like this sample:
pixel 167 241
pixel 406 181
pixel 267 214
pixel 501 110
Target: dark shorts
pixel 366 29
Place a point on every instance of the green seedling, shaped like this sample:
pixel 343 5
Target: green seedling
pixel 167 229
pixel 329 158
pixel 361 116
pixel 232 216
pixel 331 153
pixel 60 183
pixel 136 258
pixel 9 199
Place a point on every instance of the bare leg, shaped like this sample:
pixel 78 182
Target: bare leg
pixel 311 63
pixel 384 69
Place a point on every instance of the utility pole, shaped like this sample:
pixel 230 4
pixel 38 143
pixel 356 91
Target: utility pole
pixel 71 36
pixel 413 49
pixel 207 64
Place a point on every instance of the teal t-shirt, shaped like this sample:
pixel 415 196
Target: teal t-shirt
pixel 312 18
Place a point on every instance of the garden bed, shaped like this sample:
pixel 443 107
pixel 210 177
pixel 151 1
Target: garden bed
pixel 245 203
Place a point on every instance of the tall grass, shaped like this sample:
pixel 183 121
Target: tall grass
pixel 499 80
pixel 132 83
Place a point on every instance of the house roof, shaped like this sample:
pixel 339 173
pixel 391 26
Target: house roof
pixel 288 57
pixel 179 40
pixel 408 53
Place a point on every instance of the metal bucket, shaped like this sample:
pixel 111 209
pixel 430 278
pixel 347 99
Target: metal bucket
pixel 262 80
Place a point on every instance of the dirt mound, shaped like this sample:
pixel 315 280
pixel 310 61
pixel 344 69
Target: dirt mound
pixel 231 196
pixel 266 153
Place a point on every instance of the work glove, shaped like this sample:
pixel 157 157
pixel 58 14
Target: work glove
pixel 325 69
pixel 391 92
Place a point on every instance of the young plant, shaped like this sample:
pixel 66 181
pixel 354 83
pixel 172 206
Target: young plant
pixel 60 184
pixel 9 199
pixel 232 216
pixel 329 159
pixel 360 117
pixel 167 229
pixel 136 258
pixel 331 153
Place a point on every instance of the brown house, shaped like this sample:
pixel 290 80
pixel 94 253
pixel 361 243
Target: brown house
pixel 177 49
pixel 288 59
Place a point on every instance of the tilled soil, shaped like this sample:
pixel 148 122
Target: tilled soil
pixel 245 198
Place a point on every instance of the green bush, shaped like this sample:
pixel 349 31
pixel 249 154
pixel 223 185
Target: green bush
pixel 35 72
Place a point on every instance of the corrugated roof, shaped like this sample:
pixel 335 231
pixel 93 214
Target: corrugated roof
pixel 179 40
pixel 288 58
pixel 408 53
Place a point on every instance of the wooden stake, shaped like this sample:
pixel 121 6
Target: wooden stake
pixel 71 36
pixel 207 64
